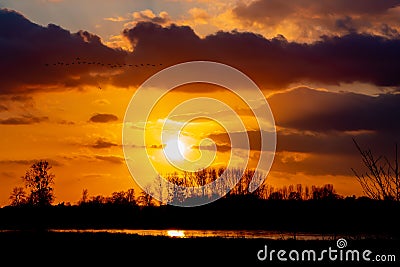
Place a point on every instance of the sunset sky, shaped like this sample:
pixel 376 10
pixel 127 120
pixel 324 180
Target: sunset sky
pixel 330 71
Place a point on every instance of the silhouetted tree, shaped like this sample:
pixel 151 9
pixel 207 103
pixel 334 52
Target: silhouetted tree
pixel 123 198
pixel 158 188
pixel 299 189
pixel 180 187
pixel 145 199
pixel 294 196
pixel 18 196
pixel 130 197
pixel 39 180
pixel 324 193
pixel 85 197
pixel 118 198
pixel 381 181
pixel 276 196
pixel 306 193
pixel 97 200
pixel 262 191
pixel 200 180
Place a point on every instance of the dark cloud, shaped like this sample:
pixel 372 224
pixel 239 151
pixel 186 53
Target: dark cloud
pixel 334 143
pixel 282 9
pixel 23 120
pixel 323 154
pixel 12 103
pixel 312 18
pixel 154 146
pixel 311 110
pixel 220 148
pixel 26 48
pixel 276 62
pixel 20 162
pixel 101 143
pixel 223 140
pixel 311 153
pixel 111 159
pixel 3 108
pixel 389 31
pixel 65 122
pixel 265 9
pixel 338 144
pixel 329 154
pixel 29 162
pixel 316 164
pixel 354 7
pixel 308 20
pixel 21 98
pixel 103 118
pixel 91 158
pixel 270 62
pixel 179 43
pixel 346 23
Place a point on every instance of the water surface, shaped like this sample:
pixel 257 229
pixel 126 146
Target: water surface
pixel 263 234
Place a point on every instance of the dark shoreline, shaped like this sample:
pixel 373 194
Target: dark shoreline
pixel 99 248
pixel 330 217
pixel 33 244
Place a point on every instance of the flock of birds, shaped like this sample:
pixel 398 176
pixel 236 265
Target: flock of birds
pixel 79 61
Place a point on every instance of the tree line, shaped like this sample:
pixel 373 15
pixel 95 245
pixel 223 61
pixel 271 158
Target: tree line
pixel 39 182
pixel 379 182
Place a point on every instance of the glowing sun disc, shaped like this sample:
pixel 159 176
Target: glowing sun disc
pixel 174 149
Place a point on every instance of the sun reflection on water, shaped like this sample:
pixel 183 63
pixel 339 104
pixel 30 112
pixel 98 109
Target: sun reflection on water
pixel 176 233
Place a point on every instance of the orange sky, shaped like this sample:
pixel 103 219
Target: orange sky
pixel 323 91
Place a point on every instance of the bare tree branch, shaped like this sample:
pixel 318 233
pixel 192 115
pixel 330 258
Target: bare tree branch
pixel 381 181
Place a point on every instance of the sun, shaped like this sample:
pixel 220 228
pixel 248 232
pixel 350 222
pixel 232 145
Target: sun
pixel 175 149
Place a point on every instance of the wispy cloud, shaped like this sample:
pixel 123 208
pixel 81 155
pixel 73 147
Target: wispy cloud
pixel 101 143
pixel 116 19
pixel 24 120
pixel 3 108
pixel 149 16
pixel 111 159
pixel 29 162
